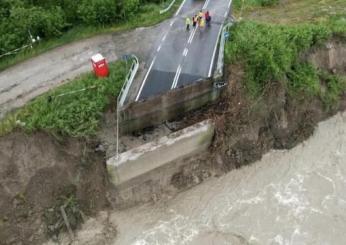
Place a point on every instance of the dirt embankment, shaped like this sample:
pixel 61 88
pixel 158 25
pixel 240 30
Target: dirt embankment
pixel 247 128
pixel 278 120
pixel 38 172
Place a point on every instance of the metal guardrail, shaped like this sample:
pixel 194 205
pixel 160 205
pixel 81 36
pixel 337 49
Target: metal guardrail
pixel 168 8
pixel 218 74
pixel 128 80
pixel 124 91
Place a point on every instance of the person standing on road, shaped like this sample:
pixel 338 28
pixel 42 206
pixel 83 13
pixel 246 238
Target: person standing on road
pixel 194 21
pixel 200 14
pixel 202 23
pixel 207 18
pixel 200 18
pixel 188 23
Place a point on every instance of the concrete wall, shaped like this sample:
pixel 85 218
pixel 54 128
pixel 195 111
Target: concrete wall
pixel 148 169
pixel 155 110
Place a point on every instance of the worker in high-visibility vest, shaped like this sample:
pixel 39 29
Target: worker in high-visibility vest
pixel 200 18
pixel 188 23
pixel 202 23
pixel 200 14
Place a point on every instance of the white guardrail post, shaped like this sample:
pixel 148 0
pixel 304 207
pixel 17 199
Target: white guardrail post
pixel 128 80
pixel 124 91
pixel 218 74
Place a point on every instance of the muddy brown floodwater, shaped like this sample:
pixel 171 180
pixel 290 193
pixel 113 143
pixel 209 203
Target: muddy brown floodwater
pixel 289 197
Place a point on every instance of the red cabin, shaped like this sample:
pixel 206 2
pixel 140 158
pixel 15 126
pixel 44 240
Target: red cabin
pixel 99 65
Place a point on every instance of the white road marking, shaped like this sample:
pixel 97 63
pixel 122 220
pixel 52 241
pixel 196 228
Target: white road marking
pixel 164 37
pixel 172 22
pixel 176 78
pixel 158 49
pixel 185 52
pixel 229 4
pixel 145 79
pixel 192 35
pixel 225 15
pixel 181 5
pixel 205 4
pixel 213 57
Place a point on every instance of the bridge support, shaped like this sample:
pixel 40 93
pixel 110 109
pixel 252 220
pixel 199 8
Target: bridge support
pixel 158 109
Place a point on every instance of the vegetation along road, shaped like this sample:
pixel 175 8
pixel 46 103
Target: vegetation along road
pixel 24 81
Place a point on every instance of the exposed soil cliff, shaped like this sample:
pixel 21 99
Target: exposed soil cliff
pixel 37 172
pixel 248 128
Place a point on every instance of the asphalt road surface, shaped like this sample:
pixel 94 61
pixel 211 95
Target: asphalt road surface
pixel 183 57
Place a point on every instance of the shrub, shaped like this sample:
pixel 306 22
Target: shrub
pixel 270 53
pixel 129 8
pixel 334 87
pixel 303 77
pixel 95 12
pixel 50 18
pixel 44 23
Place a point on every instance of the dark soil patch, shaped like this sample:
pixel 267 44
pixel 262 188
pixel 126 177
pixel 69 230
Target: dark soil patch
pixel 37 171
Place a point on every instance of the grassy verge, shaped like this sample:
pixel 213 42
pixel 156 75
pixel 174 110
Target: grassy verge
pixel 271 53
pixel 149 15
pixel 246 5
pixel 289 12
pixel 73 109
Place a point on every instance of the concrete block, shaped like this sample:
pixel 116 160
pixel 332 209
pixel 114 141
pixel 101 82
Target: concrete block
pixel 168 106
pixel 141 160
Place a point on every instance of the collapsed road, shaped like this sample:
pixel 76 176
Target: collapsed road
pixel 183 57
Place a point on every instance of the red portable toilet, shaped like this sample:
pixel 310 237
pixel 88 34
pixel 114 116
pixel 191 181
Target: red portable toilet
pixel 99 65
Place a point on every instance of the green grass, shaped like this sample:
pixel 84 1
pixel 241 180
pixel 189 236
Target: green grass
pixel 73 114
pixel 303 77
pixel 149 15
pixel 291 11
pixel 241 5
pixel 271 53
pixel 333 87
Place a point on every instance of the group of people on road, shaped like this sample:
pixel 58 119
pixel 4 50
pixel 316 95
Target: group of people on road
pixel 199 20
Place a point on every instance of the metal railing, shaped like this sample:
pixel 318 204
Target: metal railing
pixel 218 74
pixel 124 91
pixel 128 80
pixel 168 8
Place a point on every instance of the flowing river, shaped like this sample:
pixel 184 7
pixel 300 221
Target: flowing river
pixel 289 197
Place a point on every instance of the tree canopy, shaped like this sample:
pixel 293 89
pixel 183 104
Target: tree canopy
pixel 51 18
